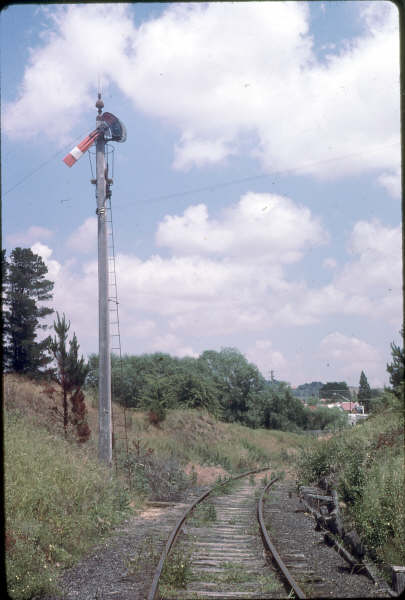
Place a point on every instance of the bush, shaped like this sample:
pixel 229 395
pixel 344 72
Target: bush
pixel 157 477
pixel 365 463
pixel 381 510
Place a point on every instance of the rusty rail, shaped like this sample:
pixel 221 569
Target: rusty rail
pixel 154 590
pixel 271 548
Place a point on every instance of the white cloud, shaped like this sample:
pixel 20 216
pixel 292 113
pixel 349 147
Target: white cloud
pixel 84 238
pixel 221 83
pixel 263 227
pixel 368 284
pixel 216 73
pixel 267 358
pixel 347 356
pixel 377 265
pixel 391 181
pixel 59 80
pixel 136 328
pixel 192 151
pixel 172 345
pixel 33 234
pixel 75 294
pixel 217 283
pixel 45 253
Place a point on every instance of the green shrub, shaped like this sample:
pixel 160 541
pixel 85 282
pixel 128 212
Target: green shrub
pixel 380 512
pixel 158 477
pixel 366 464
pixel 177 571
pixel 203 514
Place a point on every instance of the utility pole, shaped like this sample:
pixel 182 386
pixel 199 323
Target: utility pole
pixel 104 367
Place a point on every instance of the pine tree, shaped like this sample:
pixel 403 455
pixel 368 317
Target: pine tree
pixel 396 369
pixel 24 288
pixel 364 393
pixel 71 375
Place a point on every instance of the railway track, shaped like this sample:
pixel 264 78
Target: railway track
pixel 229 560
pixel 231 555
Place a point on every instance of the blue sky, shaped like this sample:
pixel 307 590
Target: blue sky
pixel 256 201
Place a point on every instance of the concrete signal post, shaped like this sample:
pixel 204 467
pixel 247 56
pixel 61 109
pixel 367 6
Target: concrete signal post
pixel 104 367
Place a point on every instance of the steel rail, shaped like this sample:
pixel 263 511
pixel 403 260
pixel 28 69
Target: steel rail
pixel 153 592
pixel 271 548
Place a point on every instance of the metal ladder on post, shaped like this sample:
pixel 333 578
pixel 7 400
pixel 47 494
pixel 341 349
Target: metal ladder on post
pixel 115 333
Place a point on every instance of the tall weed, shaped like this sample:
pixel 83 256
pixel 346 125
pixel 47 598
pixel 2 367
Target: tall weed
pixel 380 512
pixel 366 464
pixel 57 502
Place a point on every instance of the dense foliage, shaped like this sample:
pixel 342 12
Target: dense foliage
pixel 308 390
pixel 224 383
pixel 24 289
pixel 334 390
pixel 366 464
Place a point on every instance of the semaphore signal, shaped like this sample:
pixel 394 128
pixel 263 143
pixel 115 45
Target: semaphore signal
pixel 108 129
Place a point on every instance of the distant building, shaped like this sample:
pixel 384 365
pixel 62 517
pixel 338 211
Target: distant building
pixel 352 407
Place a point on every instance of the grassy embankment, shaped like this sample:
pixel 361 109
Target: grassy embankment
pixel 59 501
pixel 366 464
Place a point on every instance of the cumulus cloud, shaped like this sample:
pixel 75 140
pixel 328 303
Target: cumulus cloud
pixel 172 345
pixel 45 253
pixel 368 284
pixel 216 73
pixel 391 181
pixel 267 358
pixel 349 355
pixel 32 235
pixel 377 263
pixel 265 227
pixel 58 83
pixel 84 238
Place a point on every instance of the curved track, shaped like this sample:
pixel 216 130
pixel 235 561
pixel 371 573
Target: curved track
pixel 271 548
pixel 229 539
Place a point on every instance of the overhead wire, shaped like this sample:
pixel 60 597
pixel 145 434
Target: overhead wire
pixel 220 184
pixel 278 173
pixel 41 166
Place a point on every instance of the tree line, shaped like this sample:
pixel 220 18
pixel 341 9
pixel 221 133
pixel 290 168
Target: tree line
pixel 223 382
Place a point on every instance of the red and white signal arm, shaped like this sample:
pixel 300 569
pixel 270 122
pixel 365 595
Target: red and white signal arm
pixel 110 127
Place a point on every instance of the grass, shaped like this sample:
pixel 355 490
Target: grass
pixel 269 584
pixel 58 501
pixel 233 574
pixel 196 436
pixel 203 514
pixel 176 572
pixel 366 464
